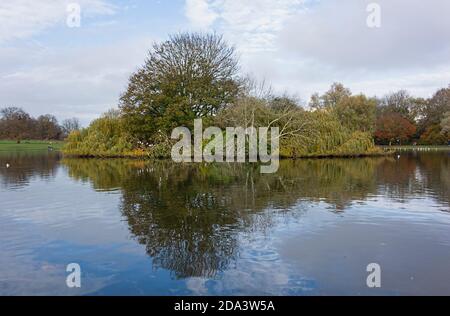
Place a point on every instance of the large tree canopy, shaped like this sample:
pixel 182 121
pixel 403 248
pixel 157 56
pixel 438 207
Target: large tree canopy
pixel 186 77
pixel 434 109
pixel 401 102
pixel 392 127
pixel 357 112
pixel 330 99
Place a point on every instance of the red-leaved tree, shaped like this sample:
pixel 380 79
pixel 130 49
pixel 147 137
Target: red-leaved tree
pixel 393 127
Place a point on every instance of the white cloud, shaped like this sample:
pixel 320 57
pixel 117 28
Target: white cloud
pixel 336 33
pixel 199 13
pixel 65 80
pixel 251 25
pixel 81 82
pixel 21 19
pixel 304 46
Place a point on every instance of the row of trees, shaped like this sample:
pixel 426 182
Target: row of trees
pixel 16 124
pixel 397 118
pixel 403 118
pixel 193 76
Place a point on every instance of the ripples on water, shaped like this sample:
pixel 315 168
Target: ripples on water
pixel 144 228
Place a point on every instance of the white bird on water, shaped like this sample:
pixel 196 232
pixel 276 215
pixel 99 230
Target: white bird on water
pixel 7 165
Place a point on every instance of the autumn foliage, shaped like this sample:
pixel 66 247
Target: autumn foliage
pixel 394 128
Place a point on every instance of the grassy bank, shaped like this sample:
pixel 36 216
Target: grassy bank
pixel 29 145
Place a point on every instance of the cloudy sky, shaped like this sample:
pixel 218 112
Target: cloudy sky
pixel 299 46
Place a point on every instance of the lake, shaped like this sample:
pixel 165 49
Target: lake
pixel 159 228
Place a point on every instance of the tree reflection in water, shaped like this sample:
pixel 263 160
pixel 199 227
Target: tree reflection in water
pixel 25 166
pixel 191 217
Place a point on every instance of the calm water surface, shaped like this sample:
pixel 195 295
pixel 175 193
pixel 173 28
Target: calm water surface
pixel 157 228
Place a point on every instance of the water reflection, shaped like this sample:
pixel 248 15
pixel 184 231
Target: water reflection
pixel 413 175
pixel 190 217
pixel 223 229
pixel 338 182
pixel 17 169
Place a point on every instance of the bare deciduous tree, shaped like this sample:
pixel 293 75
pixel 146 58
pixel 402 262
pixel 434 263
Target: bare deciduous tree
pixel 70 125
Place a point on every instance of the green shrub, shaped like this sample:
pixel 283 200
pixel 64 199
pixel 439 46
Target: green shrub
pixel 105 136
pixel 433 136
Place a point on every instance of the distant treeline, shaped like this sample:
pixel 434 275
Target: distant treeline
pixel 16 124
pixel 397 118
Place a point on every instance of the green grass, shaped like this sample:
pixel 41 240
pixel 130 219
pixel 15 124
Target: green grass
pixel 29 145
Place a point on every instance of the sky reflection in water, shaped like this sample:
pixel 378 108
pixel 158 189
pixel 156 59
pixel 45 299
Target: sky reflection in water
pixel 157 228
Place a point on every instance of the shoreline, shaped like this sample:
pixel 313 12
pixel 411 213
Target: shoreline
pixel 417 148
pixel 57 146
pixel 322 156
